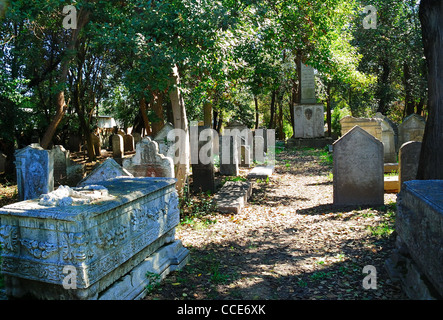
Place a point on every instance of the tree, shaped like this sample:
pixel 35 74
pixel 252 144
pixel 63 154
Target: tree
pixel 431 159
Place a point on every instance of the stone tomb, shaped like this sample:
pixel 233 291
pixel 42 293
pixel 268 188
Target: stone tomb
pixel 148 162
pixel 35 172
pixel 358 169
pixel 228 150
pixel 418 258
pixel 104 246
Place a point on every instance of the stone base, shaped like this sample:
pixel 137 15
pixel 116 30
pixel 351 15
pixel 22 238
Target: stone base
pixel 402 270
pixel 317 143
pixel 392 184
pixel 169 258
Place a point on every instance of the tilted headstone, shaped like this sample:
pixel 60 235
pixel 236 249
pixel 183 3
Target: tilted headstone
pixel 228 156
pixel 148 162
pixel 137 138
pixel 358 173
pixel 370 125
pixel 411 129
pixel 118 146
pixel 409 158
pixel 107 170
pixel 35 172
pixel 309 121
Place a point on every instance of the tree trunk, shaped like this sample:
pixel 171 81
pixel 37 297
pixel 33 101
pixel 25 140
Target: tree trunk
pixel 431 159
pixel 272 119
pixel 328 109
pixel 409 102
pixel 157 107
pixel 257 114
pixel 61 107
pixel 207 110
pixel 181 123
pixel 143 111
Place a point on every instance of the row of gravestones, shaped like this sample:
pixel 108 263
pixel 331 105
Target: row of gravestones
pixel 358 171
pixel 392 136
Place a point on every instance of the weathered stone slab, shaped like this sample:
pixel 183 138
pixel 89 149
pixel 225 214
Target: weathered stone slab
pixel 261 172
pixel 419 224
pixel 128 143
pixel 309 121
pixel 118 146
pixel 109 169
pixel 148 162
pixel 99 242
pixel 202 159
pixel 307 84
pixel 391 184
pixel 233 196
pixel 35 172
pixel 358 169
pixel 409 158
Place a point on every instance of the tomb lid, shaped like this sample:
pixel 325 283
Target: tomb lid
pixel 120 191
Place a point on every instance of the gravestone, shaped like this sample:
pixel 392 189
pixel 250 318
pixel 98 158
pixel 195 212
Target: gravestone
pixel 35 172
pixel 128 143
pixel 107 170
pixel 164 140
pixel 388 140
pixel 228 156
pixel 233 196
pixel 370 125
pixel 74 143
pixel 118 146
pixel 148 162
pixel 358 169
pixel 411 129
pixel 244 137
pixel 202 153
pixel 409 158
pixel 245 156
pixel 61 157
pixel 259 147
pixel 309 121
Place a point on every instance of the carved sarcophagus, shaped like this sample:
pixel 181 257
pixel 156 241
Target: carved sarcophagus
pixel 78 249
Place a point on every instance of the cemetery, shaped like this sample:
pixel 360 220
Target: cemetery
pixel 267 176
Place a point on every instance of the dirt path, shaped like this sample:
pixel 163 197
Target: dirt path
pixel 288 243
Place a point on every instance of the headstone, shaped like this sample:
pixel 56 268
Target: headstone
pixel 101 249
pixel 61 157
pixel 164 140
pixel 409 158
pixel 203 172
pixel 109 169
pixel 388 140
pixel 411 129
pixel 370 125
pixel 358 173
pixel 96 143
pixel 307 84
pixel 128 143
pixel 228 156
pixel 245 156
pixel 243 135
pixel 35 172
pixel 118 146
pixel 148 162
pixel 259 147
pixel 309 121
